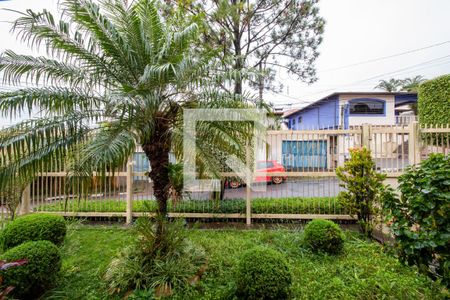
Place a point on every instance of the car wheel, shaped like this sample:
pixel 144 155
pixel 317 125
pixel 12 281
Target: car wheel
pixel 277 180
pixel 234 184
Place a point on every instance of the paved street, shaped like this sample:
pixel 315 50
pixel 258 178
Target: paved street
pixel 294 187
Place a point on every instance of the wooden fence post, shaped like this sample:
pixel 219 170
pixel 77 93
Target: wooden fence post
pixel 129 212
pixel 365 135
pixel 25 206
pixel 414 154
pixel 248 198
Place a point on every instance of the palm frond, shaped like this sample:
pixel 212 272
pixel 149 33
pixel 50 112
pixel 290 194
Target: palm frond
pixel 178 42
pixel 88 17
pixel 110 147
pixel 27 147
pixel 53 100
pixel 41 70
pixel 128 23
pixel 150 27
pixel 37 28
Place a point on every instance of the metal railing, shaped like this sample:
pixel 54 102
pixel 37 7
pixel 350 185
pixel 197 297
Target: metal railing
pixel 405 120
pixel 308 187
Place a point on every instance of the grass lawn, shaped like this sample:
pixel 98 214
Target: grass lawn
pixel 291 205
pixel 362 272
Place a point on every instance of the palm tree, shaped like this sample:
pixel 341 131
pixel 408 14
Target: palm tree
pixel 391 85
pixel 411 84
pixel 116 75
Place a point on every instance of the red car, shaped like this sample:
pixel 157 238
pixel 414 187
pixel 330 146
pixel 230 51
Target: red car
pixel 269 166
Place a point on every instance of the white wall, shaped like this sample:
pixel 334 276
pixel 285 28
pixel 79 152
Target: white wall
pixel 388 119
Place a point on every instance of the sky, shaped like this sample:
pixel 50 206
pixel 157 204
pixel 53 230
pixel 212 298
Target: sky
pixel 361 30
pixel 356 31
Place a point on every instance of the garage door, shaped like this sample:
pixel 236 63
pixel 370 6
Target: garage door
pixel 304 154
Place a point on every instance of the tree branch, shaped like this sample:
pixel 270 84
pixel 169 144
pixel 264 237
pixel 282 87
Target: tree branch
pixel 284 67
pixel 255 36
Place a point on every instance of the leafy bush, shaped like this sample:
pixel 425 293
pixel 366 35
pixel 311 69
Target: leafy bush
pixel 363 186
pixel 263 273
pixel 124 271
pixel 34 227
pixel 163 265
pixel 420 219
pixel 40 272
pixel 434 101
pixel 323 236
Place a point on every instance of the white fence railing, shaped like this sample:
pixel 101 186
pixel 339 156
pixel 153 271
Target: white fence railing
pixel 306 188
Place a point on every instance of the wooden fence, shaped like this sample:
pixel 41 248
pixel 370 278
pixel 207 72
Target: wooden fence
pixel 308 190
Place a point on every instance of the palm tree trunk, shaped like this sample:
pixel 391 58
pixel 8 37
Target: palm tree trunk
pixel 157 151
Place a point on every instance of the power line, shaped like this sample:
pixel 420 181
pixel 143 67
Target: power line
pixel 403 69
pixel 299 102
pixel 383 57
pixel 372 60
pixel 426 67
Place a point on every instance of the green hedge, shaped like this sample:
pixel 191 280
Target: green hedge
pixel 294 205
pixel 34 227
pixel 434 101
pixel 38 274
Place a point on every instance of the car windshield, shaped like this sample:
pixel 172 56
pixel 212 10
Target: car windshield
pixel 264 164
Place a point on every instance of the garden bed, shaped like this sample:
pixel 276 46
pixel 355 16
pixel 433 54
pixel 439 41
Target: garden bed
pixel 363 271
pixel 292 205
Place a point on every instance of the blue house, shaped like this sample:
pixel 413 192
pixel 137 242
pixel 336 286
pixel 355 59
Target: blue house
pixel 338 110
pixel 341 110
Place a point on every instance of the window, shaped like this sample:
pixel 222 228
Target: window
pixel 293 123
pixel 299 120
pixel 366 107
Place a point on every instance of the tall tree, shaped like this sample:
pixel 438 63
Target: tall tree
pixel 391 85
pixel 260 35
pixel 115 75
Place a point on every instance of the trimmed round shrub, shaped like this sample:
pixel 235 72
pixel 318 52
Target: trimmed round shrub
pixel 263 273
pixel 323 236
pixel 38 274
pixel 34 227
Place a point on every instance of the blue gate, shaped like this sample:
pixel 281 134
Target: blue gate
pixel 304 154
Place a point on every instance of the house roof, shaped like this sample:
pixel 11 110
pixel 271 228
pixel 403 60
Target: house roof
pixel 289 112
pixel 294 111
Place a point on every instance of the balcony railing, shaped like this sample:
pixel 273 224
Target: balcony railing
pixel 405 120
